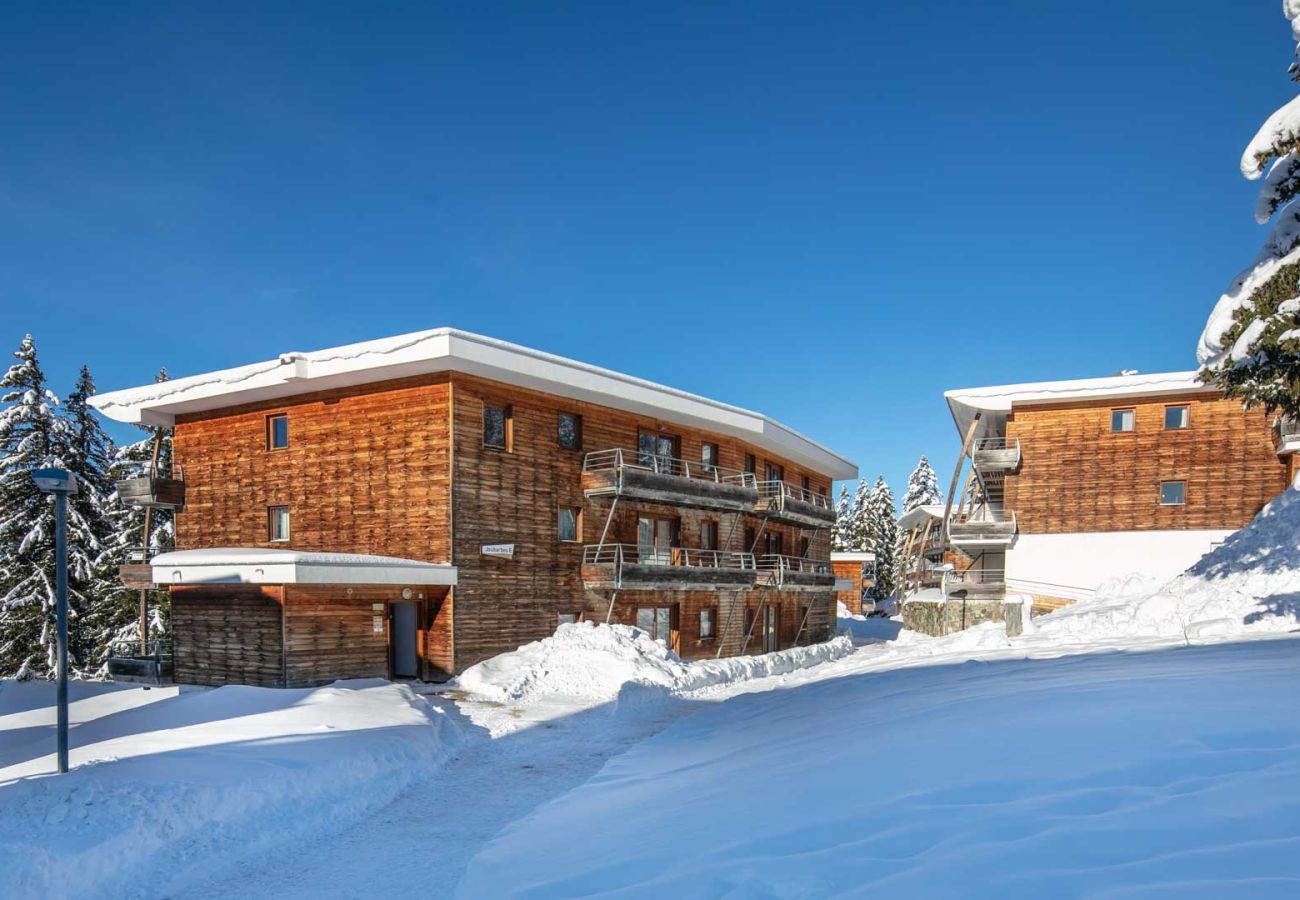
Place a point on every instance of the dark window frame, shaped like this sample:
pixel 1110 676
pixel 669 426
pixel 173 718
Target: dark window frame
pixel 1187 417
pixel 577 524
pixel 713 525
pixel 1182 482
pixel 507 427
pixel 577 431
pixel 711 463
pixel 1132 411
pixel 270 431
pixel 271 520
pixel 712 633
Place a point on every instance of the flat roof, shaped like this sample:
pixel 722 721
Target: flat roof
pixel 452 350
pixel 852 556
pixel 965 402
pixel 260 565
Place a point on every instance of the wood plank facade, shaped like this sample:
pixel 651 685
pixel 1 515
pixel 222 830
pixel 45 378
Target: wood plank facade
pixel 402 468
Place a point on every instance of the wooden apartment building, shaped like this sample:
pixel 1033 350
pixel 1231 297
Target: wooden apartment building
pixel 1063 485
pixel 410 506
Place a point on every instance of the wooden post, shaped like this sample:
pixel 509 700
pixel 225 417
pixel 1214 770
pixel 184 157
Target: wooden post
pixel 956 473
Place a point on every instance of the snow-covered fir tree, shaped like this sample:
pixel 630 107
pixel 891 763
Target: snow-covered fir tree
pixel 922 487
pixel 32 436
pixel 858 533
pixel 1251 344
pixel 840 537
pixel 882 536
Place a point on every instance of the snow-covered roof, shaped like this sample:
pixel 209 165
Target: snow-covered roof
pixel 965 402
pixel 451 350
pixel 852 556
pixel 259 565
pixel 914 517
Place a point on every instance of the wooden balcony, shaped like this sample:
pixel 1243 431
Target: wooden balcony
pixel 136 572
pixel 976 584
pixel 788 503
pixel 664 479
pixel 152 490
pixel 795 573
pixel 996 454
pixel 627 567
pixel 983 531
pixel 1286 436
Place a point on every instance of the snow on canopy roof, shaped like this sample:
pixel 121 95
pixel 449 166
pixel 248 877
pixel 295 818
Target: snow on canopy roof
pixel 452 350
pixel 852 556
pixel 965 402
pixel 259 565
pixel 914 517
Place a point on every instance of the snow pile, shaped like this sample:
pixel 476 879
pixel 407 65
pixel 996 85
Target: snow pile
pixel 596 663
pixel 1248 586
pixel 197 779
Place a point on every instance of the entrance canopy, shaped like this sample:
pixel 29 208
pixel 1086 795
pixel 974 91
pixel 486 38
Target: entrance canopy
pixel 258 565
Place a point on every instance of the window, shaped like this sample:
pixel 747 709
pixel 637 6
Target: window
pixel 772 543
pixel 498 427
pixel 806 483
pixel 751 464
pixel 655 449
pixel 804 545
pixel 708 535
pixel 655 539
pixel 277 432
pixel 1121 420
pixel 278 523
pixel 566 618
pixel 1175 417
pixel 706 624
pixel 1173 493
pixel 709 457
pixel 657 622
pixel 570 524
pixel 750 538
pixel 568 431
pixel 772 472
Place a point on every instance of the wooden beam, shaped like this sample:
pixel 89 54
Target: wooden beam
pixel 956 473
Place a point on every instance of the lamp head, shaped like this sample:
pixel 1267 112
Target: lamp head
pixel 55 481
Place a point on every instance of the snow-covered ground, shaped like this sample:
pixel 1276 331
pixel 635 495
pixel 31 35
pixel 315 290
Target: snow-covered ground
pixel 883 763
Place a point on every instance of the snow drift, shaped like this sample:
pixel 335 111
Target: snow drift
pixel 597 663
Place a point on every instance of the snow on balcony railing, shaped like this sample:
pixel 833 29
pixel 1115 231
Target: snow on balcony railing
pixel 619 458
pixel 678 557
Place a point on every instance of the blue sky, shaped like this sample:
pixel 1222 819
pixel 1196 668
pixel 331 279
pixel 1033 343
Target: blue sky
pixel 827 212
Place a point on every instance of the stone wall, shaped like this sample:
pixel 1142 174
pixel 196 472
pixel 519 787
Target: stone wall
pixel 939 617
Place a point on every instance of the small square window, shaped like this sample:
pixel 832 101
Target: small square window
pixel 278 523
pixel 566 618
pixel 1175 417
pixel 1121 420
pixel 568 431
pixel 706 624
pixel 496 427
pixel 709 457
pixel 277 432
pixel 570 524
pixel 1173 493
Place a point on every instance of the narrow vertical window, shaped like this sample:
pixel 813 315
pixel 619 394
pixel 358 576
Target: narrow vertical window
pixel 706 624
pixel 568 431
pixel 278 523
pixel 570 523
pixel 1173 493
pixel 709 457
pixel 1175 417
pixel 497 427
pixel 708 535
pixel 1121 420
pixel 277 432
pixel 751 464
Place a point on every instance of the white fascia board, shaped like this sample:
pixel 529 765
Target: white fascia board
pixel 999 399
pixel 253 566
pixel 446 349
pixel 851 556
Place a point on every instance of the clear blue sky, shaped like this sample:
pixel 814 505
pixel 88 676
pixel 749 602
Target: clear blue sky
pixel 827 212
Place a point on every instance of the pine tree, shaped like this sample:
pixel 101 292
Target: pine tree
pixel 922 487
pixel 858 533
pixel 33 436
pixel 1250 347
pixel 841 536
pixel 882 536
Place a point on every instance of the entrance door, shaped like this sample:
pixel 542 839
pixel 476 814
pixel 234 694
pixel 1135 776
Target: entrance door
pixel 658 622
pixel 771 628
pixel 406 624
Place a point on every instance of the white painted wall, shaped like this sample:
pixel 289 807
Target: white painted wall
pixel 1073 565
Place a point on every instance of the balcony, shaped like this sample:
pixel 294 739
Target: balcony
pixel 996 454
pixel 785 502
pixel 149 488
pixel 983 530
pixel 1286 435
pixel 136 570
pixel 628 567
pixel 666 479
pixel 795 573
pixel 973 584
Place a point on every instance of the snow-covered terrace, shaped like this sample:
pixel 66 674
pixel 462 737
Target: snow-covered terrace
pixel 452 350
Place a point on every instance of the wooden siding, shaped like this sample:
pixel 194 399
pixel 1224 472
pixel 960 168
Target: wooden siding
pixel 1076 475
pixel 228 634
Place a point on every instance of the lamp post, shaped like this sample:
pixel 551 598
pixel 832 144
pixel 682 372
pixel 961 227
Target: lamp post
pixel 61 483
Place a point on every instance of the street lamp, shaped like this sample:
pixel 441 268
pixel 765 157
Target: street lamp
pixel 61 483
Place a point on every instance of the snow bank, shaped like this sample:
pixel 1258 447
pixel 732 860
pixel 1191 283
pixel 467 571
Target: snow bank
pixel 596 663
pixel 198 778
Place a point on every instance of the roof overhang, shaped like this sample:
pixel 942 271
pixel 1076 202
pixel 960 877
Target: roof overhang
pixel 254 565
pixel 996 402
pixel 451 350
pixel 851 556
pixel 915 516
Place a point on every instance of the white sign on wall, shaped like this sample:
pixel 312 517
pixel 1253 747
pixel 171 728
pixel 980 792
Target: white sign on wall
pixel 505 551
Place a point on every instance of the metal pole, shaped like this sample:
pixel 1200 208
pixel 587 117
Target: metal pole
pixel 61 601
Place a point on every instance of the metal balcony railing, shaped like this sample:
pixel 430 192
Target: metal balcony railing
pixel 776 562
pixel 769 490
pixel 677 557
pixel 619 458
pixel 997 443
